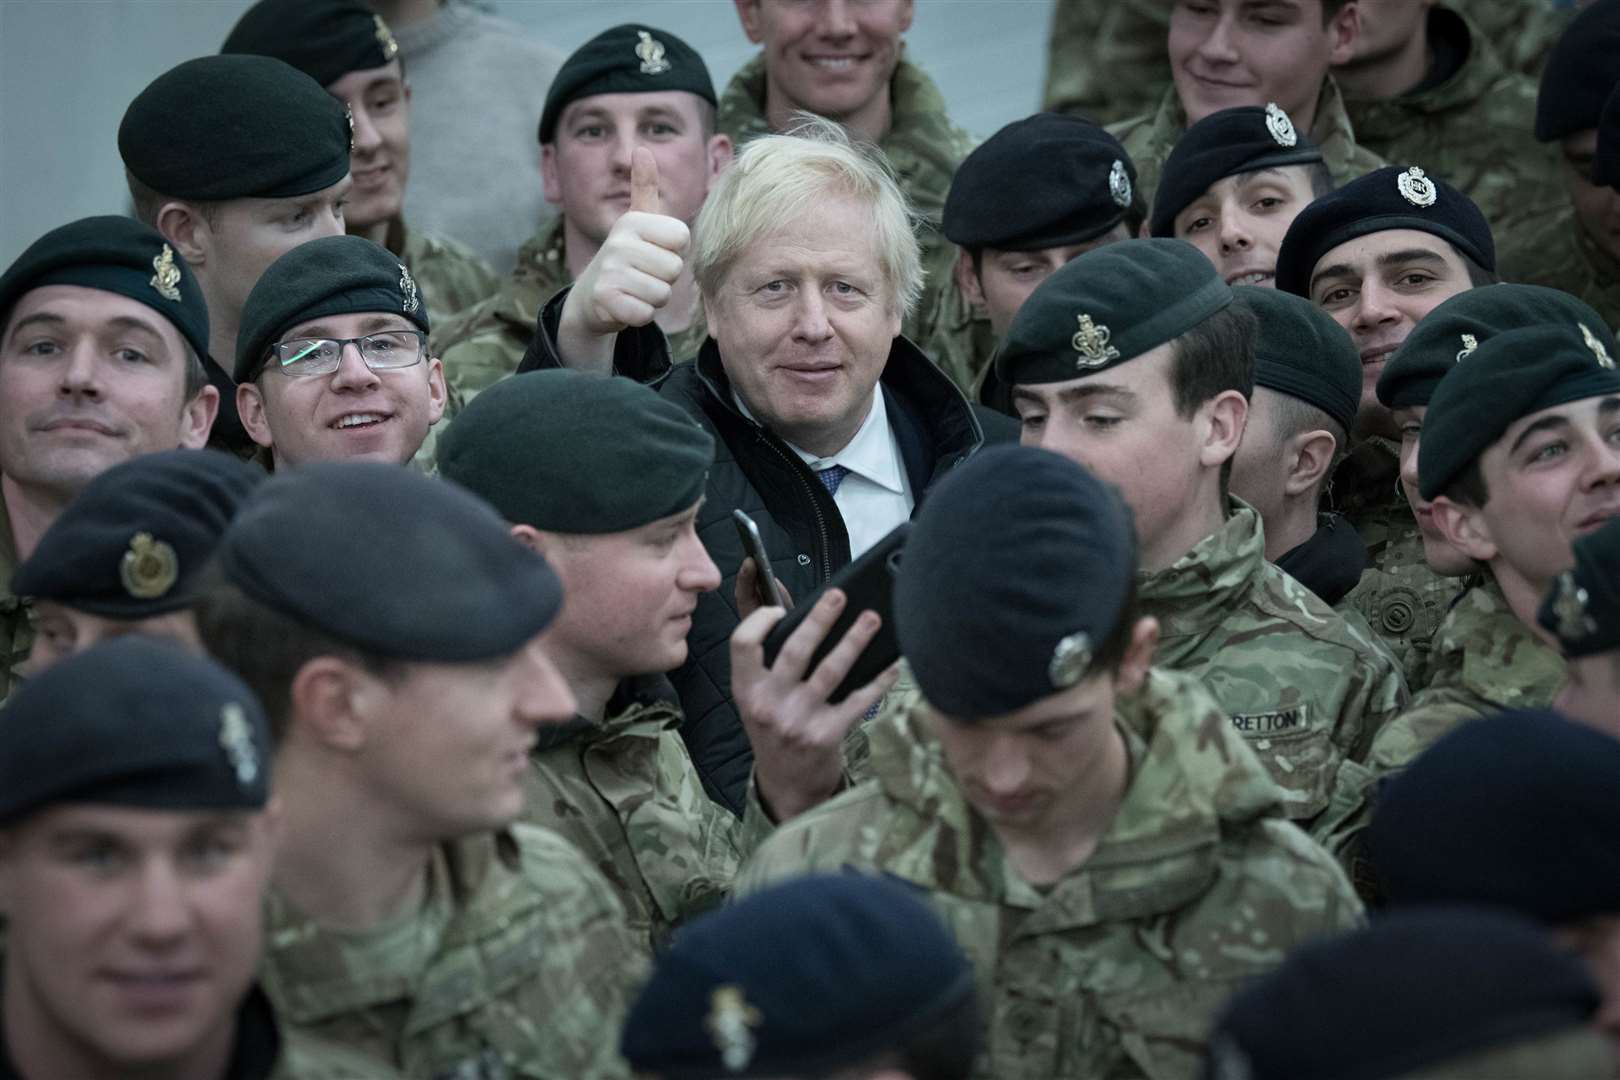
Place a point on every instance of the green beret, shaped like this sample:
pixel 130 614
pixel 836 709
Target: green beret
pixel 1110 305
pixel 135 721
pixel 117 255
pixel 391 562
pixel 1582 608
pixel 1303 353
pixel 1507 377
pixel 335 275
pixel 325 39
pixel 570 452
pixel 627 59
pixel 1453 330
pixel 234 127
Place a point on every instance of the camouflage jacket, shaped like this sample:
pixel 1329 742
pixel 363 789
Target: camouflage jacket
pixel 1116 970
pixel 1399 596
pixel 1563 255
pixel 1149 138
pixel 958 338
pixel 486 341
pixel 626 794
pixel 1485 660
pixel 1523 31
pixel 923 147
pixel 16 614
pixel 450 276
pixel 518 965
pixel 1475 129
pixel 1304 688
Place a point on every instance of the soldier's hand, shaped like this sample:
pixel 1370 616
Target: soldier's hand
pixel 746 591
pixel 797 735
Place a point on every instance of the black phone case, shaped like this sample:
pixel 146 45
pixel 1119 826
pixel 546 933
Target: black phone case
pixel 868 583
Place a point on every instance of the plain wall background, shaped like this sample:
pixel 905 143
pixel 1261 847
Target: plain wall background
pixel 68 69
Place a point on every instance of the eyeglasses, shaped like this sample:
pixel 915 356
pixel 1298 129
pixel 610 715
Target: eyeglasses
pixel 321 356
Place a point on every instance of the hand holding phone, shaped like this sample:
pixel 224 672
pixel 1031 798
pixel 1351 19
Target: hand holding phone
pixel 765 584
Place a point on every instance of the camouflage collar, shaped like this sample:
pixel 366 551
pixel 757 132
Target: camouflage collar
pixel 1478 76
pixel 1195 594
pixel 1604 267
pixel 1484 648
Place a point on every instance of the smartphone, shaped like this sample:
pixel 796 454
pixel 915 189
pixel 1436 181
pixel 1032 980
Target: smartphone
pixel 868 583
pixel 770 595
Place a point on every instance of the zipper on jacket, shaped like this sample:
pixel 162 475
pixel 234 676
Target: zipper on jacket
pixel 821 522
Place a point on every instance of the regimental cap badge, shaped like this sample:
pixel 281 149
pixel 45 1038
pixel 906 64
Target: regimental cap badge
pixel 149 568
pixel 1091 342
pixel 1592 342
pixel 1470 343
pixel 1071 659
pixel 348 114
pixel 1569 608
pixel 730 1023
pixel 167 278
pixel 1119 184
pixel 1416 188
pixel 651 53
pixel 236 739
pixel 385 38
pixel 407 288
pixel 1281 128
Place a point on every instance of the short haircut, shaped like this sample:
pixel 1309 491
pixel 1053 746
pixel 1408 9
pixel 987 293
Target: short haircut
pixel 1469 488
pixel 1477 274
pixel 1213 357
pixel 779 178
pixel 1330 8
pixel 1321 179
pixel 1296 416
pixel 148 202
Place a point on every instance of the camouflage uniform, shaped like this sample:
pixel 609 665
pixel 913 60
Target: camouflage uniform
pixel 16 614
pixel 958 339
pixel 1304 689
pixel 1400 597
pixel 449 276
pixel 922 146
pixel 1149 138
pixel 1564 256
pixel 1474 129
pixel 625 793
pixel 1117 969
pixel 1485 660
pixel 518 964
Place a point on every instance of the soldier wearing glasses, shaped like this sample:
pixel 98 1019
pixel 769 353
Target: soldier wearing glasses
pixel 332 361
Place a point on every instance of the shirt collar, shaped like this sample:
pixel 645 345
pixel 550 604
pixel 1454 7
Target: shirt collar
pixel 871 453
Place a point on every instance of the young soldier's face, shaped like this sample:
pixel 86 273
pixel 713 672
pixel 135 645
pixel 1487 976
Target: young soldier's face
pixel 1005 279
pixel 630 597
pixel 245 236
pixel 1239 223
pixel 132 934
pixel 89 379
pixel 829 57
pixel 1227 53
pixel 352 414
pixel 1378 287
pixel 380 102
pixel 586 166
pixel 1597 206
pixel 61 631
pixel 1591 693
pixel 1442 558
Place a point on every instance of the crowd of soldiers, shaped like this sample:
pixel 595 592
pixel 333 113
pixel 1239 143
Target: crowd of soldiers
pixel 391 691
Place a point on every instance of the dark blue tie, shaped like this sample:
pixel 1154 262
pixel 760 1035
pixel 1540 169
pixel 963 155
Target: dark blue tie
pixel 831 477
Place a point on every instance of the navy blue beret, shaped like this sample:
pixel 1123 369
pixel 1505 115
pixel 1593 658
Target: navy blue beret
pixel 626 59
pixel 1415 991
pixel 1582 606
pixel 1040 551
pixel 133 543
pixel 1040 182
pixel 1515 811
pixel 1303 353
pixel 1580 72
pixel 325 39
pixel 1394 197
pixel 391 562
pixel 134 721
pixel 1226 143
pixel 801 979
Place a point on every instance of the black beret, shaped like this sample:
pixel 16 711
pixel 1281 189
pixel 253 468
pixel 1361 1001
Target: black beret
pixel 1303 353
pixel 1582 607
pixel 134 721
pixel 391 562
pixel 801 979
pixel 627 59
pixel 325 39
pixel 1606 166
pixel 570 452
pixel 132 544
pixel 335 275
pixel 1452 331
pixel 117 255
pixel 1415 991
pixel 233 127
pixel 1041 551
pixel 1514 811
pixel 1389 198
pixel 1581 70
pixel 1110 305
pixel 1507 377
pixel 1222 144
pixel 1040 182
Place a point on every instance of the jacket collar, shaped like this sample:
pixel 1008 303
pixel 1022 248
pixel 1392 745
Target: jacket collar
pixel 1193 596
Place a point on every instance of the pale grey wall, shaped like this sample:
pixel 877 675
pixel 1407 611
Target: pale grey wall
pixel 69 67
